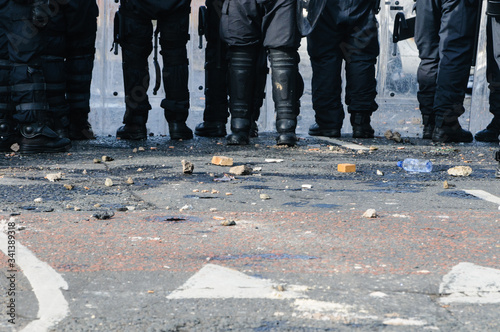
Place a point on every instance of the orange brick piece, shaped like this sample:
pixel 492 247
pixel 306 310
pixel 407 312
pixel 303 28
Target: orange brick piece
pixel 222 161
pixel 346 168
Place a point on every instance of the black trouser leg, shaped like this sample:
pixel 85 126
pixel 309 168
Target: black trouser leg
pixel 55 79
pixel 79 67
pixel 7 123
pixel 284 75
pixel 241 76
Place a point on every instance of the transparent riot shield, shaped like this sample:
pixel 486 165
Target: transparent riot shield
pixel 397 75
pixel 479 113
pixel 107 96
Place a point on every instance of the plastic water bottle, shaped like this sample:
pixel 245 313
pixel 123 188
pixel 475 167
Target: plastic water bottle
pixel 416 165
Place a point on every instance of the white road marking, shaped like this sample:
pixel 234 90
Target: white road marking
pixel 404 322
pixel 344 144
pixel 46 284
pixel 217 282
pixel 484 195
pixel 470 283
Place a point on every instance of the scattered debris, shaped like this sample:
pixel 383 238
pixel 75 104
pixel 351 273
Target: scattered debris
pixel 218 218
pixel 15 147
pixel 213 210
pixel 460 171
pixel 280 288
pixel 225 178
pixel 307 186
pixel 388 134
pixel 241 170
pixel 130 207
pixel 84 172
pixel 106 158
pixel 130 180
pixel 447 185
pixel 186 207
pixel 229 194
pixel 215 191
pixel 103 215
pixel 379 172
pixel 52 177
pixel 187 167
pixel 140 170
pixel 38 200
pixel 134 150
pixel 270 160
pixel 346 168
pixel 108 182
pixel 257 169
pixel 229 222
pixel 370 213
pixel 97 205
pixel 76 208
pixel 96 161
pixel 373 148
pixel 68 186
pixel 141 149
pixel 222 161
pixel 264 196
pixel 196 190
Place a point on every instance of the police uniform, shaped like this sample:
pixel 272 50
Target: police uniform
pixel 7 124
pixel 30 94
pixel 245 24
pixel 216 82
pixel 136 30
pixel 345 31
pixel 81 29
pixel 492 131
pixel 444 34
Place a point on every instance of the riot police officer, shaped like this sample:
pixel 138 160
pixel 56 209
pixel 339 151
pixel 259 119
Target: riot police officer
pixel 444 34
pixel 492 131
pixel 28 30
pixel 216 83
pixel 135 32
pixel 345 31
pixel 81 29
pixel 244 25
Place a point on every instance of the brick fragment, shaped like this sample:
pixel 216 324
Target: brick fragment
pixel 346 168
pixel 222 161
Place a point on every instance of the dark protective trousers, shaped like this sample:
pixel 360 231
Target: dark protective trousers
pixel 444 34
pixel 136 41
pixel 81 29
pixel 493 64
pixel 216 70
pixel 346 31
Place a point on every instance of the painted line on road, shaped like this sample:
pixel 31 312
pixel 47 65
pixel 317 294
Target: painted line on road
pixel 344 144
pixel 46 284
pixel 483 195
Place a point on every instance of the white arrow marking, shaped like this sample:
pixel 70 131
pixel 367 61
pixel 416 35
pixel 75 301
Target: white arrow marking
pixel 470 283
pixel 46 284
pixel 484 195
pixel 217 282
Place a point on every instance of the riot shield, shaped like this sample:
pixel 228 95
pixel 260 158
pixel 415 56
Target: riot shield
pixel 308 12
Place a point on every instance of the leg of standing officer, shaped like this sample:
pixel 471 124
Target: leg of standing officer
pixel 246 23
pixel 80 51
pixel 7 123
pixel 136 46
pixel 174 34
pixel 54 45
pixel 427 28
pixel 492 131
pixel 28 86
pixel 216 103
pixel 454 20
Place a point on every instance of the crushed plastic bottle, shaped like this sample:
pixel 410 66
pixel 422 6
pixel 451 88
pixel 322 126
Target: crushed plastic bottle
pixel 415 165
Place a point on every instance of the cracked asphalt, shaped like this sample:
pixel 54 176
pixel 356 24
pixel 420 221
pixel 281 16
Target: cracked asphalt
pixel 123 249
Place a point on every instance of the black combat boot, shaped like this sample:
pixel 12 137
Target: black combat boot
pixel 491 133
pixel 448 129
pixel 316 130
pixel 429 122
pixel 285 77
pixel 361 127
pixel 134 125
pixel 241 77
pixel 37 137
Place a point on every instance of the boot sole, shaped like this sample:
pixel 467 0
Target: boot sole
pixel 27 149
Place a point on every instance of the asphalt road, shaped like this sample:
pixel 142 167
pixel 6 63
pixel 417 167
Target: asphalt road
pixel 149 251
